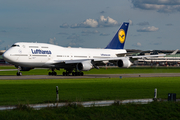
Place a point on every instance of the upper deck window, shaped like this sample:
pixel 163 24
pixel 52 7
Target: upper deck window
pixel 33 46
pixel 14 45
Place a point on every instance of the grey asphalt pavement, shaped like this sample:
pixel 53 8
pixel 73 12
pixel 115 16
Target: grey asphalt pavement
pixel 26 77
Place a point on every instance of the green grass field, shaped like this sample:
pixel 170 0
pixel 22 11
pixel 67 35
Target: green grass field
pixel 131 70
pixel 18 92
pixel 15 92
pixel 152 111
pixel 7 67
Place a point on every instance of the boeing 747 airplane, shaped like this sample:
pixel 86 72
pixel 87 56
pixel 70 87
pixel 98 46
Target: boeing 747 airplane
pixel 26 56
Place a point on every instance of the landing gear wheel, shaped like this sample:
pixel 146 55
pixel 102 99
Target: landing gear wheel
pixel 73 73
pixel 52 73
pixel 69 72
pixel 77 73
pixel 19 74
pixel 81 73
pixel 64 74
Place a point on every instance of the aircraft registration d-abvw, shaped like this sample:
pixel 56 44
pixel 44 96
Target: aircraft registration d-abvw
pixel 26 56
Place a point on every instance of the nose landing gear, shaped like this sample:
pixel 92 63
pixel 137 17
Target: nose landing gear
pixel 19 73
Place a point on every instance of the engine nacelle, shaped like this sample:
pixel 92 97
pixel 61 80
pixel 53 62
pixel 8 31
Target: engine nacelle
pixel 124 63
pixel 84 66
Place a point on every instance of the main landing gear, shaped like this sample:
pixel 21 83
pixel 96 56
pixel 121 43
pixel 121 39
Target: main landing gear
pixel 52 73
pixel 67 73
pixel 70 71
pixel 73 73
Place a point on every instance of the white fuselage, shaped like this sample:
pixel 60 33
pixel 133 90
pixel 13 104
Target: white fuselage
pixel 41 54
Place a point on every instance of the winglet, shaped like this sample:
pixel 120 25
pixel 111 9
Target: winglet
pixel 119 39
pixel 173 53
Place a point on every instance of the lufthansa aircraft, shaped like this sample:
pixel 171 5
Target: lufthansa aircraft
pixel 26 56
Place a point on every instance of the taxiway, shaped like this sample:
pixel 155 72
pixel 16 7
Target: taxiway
pixel 27 77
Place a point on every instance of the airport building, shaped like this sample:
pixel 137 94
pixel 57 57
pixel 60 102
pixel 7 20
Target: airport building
pixel 172 58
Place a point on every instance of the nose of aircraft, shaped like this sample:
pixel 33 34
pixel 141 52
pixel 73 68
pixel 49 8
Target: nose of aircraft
pixel 6 56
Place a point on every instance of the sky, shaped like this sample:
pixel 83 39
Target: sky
pixel 154 24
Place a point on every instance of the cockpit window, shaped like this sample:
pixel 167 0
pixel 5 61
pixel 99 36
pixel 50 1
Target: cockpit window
pixel 15 45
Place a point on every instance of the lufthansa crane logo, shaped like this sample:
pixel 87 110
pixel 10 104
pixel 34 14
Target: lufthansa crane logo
pixel 121 35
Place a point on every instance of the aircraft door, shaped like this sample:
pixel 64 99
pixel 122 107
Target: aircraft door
pixel 71 56
pixel 29 54
pixel 89 56
pixel 49 57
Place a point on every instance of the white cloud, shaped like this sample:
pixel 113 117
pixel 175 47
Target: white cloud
pixel 92 23
pixel 88 23
pixel 65 25
pixel 107 22
pixel 158 5
pixel 74 26
pixel 138 44
pixel 52 40
pixel 148 29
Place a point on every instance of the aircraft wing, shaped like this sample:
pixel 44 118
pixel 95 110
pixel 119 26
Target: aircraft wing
pixel 99 59
pixel 173 53
pixel 70 61
pixel 144 56
pixel 127 57
pixel 95 62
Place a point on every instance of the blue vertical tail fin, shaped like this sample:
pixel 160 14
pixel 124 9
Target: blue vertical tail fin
pixel 119 39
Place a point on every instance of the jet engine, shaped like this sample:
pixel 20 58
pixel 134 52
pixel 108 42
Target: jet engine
pixel 84 66
pixel 124 63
